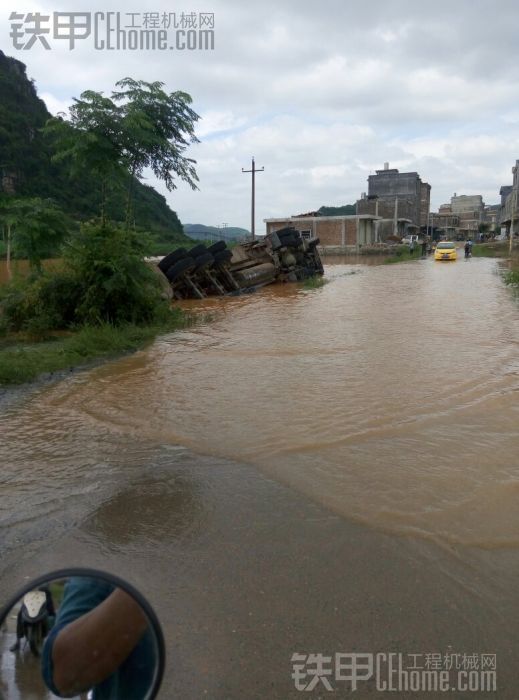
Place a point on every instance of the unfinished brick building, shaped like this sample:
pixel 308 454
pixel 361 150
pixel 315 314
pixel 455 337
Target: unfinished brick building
pixel 401 199
pixel 346 232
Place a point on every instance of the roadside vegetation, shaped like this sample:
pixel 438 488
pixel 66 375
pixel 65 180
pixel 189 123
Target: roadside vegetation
pixel 23 360
pixel 402 253
pixel 511 277
pixel 102 299
pixel 315 282
pixel 501 249
pixel 494 249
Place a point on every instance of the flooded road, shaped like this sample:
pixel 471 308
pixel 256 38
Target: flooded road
pixel 380 410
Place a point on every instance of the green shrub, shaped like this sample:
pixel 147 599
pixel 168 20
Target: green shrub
pixel 314 282
pixel 103 280
pixel 512 277
pixel 42 303
pixel 116 284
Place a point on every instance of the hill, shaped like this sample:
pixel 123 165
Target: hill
pixel 345 210
pixel 26 168
pixel 202 233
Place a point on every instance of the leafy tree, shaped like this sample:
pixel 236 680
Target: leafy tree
pixel 90 141
pixel 139 127
pixel 102 279
pixel 116 284
pixel 34 227
pixel 25 161
pixel 156 130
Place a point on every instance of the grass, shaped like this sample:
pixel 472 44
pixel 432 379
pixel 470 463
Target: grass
pixel 23 361
pixel 511 277
pixel 314 282
pixel 499 249
pixel 402 254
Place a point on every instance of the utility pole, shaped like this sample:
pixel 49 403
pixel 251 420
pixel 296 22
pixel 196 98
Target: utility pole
pixel 254 170
pixel 514 207
pixel 513 202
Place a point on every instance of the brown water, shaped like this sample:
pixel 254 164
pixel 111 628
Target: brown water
pixel 389 396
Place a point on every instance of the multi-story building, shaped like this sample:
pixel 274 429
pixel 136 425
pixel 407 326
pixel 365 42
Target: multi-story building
pixel 401 199
pixel 509 209
pixel 461 218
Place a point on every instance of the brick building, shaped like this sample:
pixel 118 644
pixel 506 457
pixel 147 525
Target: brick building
pixel 348 232
pixel 461 218
pixel 509 208
pixel 396 196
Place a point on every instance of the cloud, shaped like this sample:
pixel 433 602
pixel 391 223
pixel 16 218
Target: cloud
pixel 55 105
pixel 322 95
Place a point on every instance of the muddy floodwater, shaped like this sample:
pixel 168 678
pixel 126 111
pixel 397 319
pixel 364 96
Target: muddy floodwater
pixel 323 470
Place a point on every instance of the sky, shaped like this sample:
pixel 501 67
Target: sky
pixel 321 94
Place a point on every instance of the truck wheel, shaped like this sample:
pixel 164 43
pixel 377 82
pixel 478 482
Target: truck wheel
pixel 217 247
pixel 171 259
pixel 196 251
pixel 203 261
pixel 289 241
pixel 223 256
pixel 180 268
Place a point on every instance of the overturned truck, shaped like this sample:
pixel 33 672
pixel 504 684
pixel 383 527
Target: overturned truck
pixel 283 256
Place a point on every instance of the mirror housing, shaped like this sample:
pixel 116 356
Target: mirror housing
pixel 104 633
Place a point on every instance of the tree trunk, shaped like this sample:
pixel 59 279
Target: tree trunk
pixel 8 254
pixel 103 201
pixel 129 197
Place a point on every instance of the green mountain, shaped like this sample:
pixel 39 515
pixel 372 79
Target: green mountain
pixel 26 168
pixel 201 232
pixel 346 210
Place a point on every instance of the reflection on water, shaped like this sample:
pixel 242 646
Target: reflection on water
pixel 159 510
pixel 389 394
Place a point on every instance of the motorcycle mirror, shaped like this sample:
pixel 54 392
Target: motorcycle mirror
pixel 80 633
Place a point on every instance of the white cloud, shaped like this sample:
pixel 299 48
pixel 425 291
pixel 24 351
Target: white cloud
pixel 322 95
pixel 55 105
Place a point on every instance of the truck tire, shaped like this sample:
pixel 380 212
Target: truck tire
pixel 203 261
pixel 196 251
pixel 289 241
pixel 224 256
pixel 180 268
pixel 171 259
pixel 217 247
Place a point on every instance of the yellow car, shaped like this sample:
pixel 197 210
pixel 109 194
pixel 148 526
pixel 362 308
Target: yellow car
pixel 445 250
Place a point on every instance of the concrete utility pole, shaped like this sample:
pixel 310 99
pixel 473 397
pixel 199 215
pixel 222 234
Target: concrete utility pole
pixel 514 207
pixel 376 220
pixel 254 170
pixel 395 221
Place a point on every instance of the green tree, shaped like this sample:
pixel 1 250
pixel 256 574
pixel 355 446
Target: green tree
pixel 157 127
pixel 90 140
pixel 117 286
pixel 34 228
pixel 140 126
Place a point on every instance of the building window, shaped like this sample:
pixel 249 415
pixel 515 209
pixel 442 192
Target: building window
pixel 306 234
